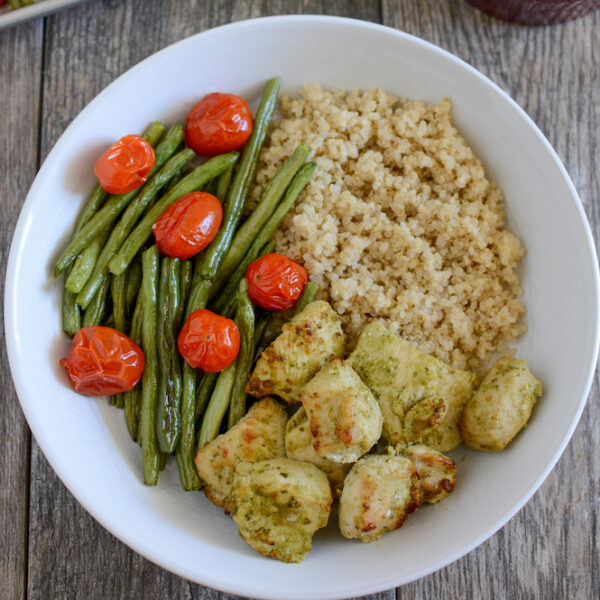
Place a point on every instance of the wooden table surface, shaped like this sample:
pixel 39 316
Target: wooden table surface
pixel 50 547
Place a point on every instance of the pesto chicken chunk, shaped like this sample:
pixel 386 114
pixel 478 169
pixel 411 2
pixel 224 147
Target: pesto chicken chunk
pixel 500 406
pixel 423 418
pixel 345 419
pixel 257 436
pixel 436 471
pixel 401 376
pixel 299 446
pixel 309 341
pixel 278 505
pixel 379 493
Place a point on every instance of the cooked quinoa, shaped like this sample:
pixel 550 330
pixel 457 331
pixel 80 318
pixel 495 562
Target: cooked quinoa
pixel 399 222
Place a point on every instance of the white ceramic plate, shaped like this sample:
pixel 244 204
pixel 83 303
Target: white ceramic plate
pixel 86 441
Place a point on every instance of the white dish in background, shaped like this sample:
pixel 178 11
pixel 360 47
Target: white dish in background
pixel 86 441
pixel 39 8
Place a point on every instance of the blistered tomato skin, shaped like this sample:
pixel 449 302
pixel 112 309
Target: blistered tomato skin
pixel 217 124
pixel 189 225
pixel 126 165
pixel 275 282
pixel 209 341
pixel 103 361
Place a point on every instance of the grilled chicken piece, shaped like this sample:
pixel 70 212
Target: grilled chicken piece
pixel 500 406
pixel 257 436
pixel 401 376
pixel 308 342
pixel 345 419
pixel 299 446
pixel 437 472
pixel 423 417
pixel 278 505
pixel 379 493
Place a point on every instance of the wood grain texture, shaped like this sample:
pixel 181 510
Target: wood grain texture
pixel 550 549
pixel 19 98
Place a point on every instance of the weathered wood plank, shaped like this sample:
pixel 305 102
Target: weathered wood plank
pixel 550 549
pixel 85 49
pixel 20 68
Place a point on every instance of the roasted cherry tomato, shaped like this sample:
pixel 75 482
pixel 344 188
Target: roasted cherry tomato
pixel 218 123
pixel 102 361
pixel 125 166
pixel 188 225
pixel 209 341
pixel 275 282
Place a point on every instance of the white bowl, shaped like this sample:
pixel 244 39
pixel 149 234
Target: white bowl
pixel 85 440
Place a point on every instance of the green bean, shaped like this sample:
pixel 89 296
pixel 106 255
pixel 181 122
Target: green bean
pixel 71 312
pixel 95 201
pixel 84 264
pixel 205 389
pixel 245 320
pixel 196 278
pixel 272 195
pixel 259 332
pixel 242 180
pixel 168 425
pixel 194 181
pixel 174 181
pixel 309 293
pixel 134 279
pixel 267 248
pixel 132 398
pixel 219 401
pixel 113 207
pixel 223 184
pixel 197 298
pixel 184 453
pixel 128 220
pixel 185 285
pixel 227 301
pixel 150 451
pixel 162 461
pixel 95 312
pixel 118 285
pixel 211 187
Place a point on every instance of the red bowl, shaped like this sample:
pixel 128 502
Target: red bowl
pixel 536 12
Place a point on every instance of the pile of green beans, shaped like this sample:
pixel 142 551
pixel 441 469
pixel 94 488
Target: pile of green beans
pixel 115 276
